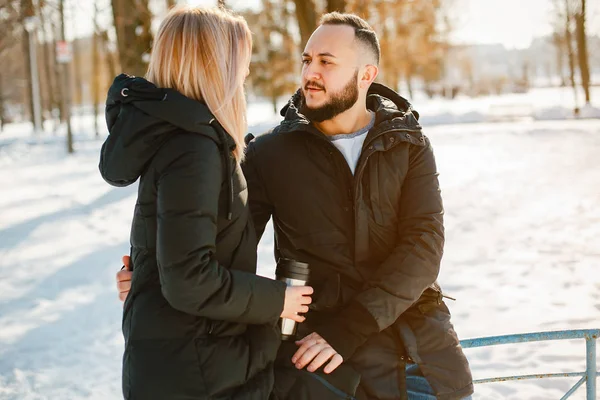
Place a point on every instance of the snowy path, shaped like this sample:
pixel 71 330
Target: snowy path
pixel 522 254
pixel 523 244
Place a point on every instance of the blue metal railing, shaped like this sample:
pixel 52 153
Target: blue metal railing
pixel 588 377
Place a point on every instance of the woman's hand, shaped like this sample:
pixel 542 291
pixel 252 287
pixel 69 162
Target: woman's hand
pixel 124 279
pixel 297 299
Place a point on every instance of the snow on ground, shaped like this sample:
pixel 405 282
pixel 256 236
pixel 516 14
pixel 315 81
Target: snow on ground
pixel 522 252
pixel 537 104
pixel 523 244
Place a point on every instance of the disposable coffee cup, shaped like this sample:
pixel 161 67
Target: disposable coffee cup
pixel 293 273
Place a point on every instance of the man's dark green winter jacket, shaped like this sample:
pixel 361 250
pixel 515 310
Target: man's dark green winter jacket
pixel 374 240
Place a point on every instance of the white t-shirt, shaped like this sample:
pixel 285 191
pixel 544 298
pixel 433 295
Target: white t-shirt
pixel 350 145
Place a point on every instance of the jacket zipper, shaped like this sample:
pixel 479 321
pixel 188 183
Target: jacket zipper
pixel 360 167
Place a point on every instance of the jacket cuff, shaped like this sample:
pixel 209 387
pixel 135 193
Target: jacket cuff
pixel 349 329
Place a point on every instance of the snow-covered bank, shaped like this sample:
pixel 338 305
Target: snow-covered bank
pixel 536 104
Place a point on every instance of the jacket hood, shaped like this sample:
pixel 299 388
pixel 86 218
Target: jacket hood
pixel 141 117
pixel 385 102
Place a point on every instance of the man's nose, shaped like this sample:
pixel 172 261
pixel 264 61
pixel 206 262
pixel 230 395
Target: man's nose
pixel 311 72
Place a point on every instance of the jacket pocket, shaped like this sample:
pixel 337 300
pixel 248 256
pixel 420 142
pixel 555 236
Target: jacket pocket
pixel 162 369
pixel 327 293
pixel 232 364
pixel 430 300
pixel 382 194
pixel 328 284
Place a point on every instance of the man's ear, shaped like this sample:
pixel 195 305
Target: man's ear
pixel 368 76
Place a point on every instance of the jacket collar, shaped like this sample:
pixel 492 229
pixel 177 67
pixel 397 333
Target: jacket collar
pixel 394 117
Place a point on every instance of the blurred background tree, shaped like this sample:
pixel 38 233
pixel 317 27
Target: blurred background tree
pixel 274 68
pixel 106 37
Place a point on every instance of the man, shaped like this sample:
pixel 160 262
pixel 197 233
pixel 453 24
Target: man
pixel 351 184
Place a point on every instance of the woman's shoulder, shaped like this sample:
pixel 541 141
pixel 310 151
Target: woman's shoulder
pixel 191 141
pixel 191 145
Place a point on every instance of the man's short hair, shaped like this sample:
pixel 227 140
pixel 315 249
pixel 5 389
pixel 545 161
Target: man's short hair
pixel 362 30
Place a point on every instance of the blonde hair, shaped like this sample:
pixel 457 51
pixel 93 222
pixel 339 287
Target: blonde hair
pixel 204 54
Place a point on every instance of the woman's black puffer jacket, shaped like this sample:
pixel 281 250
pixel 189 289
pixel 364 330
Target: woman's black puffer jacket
pixel 198 323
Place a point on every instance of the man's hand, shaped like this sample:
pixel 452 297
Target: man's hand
pixel 314 348
pixel 124 279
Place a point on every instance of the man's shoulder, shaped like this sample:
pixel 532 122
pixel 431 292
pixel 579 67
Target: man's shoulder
pixel 266 140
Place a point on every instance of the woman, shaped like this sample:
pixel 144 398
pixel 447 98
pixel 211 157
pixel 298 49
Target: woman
pixel 198 323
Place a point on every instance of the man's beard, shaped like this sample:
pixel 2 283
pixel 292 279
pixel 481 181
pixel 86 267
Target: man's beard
pixel 337 104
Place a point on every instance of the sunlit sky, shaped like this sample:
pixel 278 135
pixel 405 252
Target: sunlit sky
pixel 513 23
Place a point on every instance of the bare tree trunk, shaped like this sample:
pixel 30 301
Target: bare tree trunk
pixel 561 73
pixel 28 11
pixel 80 83
pixel 307 19
pixel 570 54
pixel 49 60
pixel 584 69
pixel 59 80
pixel 409 67
pixel 336 5
pixel 409 85
pixel 66 83
pixel 132 24
pixel 274 104
pixel 95 70
pixel 558 42
pixel 78 95
pixel 387 69
pixel 109 56
pixel 1 103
